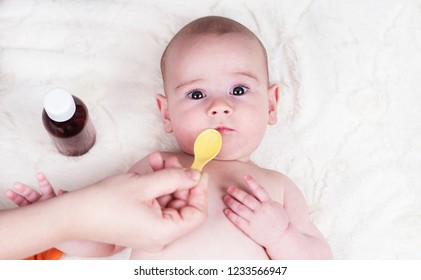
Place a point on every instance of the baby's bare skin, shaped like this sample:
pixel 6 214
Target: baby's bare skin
pixel 218 238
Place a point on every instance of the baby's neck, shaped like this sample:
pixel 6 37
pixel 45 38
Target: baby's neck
pixel 244 159
pixel 187 159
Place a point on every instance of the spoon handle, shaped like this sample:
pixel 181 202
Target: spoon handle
pixel 197 164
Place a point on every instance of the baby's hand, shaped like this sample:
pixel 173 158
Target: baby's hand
pixel 24 195
pixel 256 214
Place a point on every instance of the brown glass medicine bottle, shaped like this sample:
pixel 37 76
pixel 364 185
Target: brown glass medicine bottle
pixel 67 121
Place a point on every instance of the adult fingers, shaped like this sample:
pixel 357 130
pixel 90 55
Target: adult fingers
pixel 191 215
pixel 164 200
pixel 167 181
pixel 198 198
pixel 177 204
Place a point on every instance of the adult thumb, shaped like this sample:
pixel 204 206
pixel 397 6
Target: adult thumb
pixel 167 181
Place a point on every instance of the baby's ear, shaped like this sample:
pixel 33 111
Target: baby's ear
pixel 162 103
pixel 273 92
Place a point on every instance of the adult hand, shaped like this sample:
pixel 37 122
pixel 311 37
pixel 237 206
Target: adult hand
pixel 177 199
pixel 124 209
pixel 121 209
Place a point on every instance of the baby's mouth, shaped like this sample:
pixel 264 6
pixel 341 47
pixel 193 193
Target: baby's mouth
pixel 223 129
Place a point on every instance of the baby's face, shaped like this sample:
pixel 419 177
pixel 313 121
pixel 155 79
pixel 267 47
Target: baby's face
pixel 218 82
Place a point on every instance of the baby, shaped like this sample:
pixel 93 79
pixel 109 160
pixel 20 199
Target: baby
pixel 215 75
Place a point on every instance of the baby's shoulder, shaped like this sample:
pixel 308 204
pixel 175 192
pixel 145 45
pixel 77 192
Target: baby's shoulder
pixel 276 177
pixel 279 183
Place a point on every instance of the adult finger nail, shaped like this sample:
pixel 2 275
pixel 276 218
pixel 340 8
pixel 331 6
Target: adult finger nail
pixel 193 174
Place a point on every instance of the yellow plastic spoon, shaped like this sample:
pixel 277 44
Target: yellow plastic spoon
pixel 206 147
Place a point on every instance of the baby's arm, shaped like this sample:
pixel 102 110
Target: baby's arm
pixel 285 231
pixel 23 195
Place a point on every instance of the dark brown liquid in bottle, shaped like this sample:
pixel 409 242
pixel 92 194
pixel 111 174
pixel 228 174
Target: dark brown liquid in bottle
pixel 75 136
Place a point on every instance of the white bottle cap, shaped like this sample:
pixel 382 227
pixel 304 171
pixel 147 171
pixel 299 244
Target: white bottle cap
pixel 59 105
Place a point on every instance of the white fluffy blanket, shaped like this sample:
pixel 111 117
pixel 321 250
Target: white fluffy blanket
pixel 349 131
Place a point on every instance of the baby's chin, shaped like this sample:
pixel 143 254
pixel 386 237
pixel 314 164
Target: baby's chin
pixel 227 156
pixel 223 155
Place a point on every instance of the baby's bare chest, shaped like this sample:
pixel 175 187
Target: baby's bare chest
pixel 217 238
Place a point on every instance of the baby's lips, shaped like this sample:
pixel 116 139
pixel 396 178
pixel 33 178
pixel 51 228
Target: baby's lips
pixel 222 129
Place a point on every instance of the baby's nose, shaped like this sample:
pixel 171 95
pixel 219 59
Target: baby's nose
pixel 220 107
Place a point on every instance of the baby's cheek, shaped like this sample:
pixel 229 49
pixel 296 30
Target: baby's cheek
pixel 184 142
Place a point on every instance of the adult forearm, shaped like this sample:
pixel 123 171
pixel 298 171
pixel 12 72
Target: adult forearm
pixel 115 210
pixel 31 229
pixel 294 245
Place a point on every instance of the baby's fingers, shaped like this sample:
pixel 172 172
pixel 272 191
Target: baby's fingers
pixel 47 190
pixel 238 221
pixel 16 198
pixel 61 192
pixel 244 198
pixel 173 162
pixel 22 195
pixel 259 192
pixel 156 161
pixel 238 208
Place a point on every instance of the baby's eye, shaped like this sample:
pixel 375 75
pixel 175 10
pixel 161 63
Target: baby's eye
pixel 196 94
pixel 239 90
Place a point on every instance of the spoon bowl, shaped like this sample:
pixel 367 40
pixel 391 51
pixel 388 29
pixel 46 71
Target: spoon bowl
pixel 206 147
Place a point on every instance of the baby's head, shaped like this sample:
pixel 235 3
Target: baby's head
pixel 215 75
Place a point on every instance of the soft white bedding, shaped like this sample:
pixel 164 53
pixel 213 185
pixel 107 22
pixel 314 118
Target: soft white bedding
pixel 349 131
